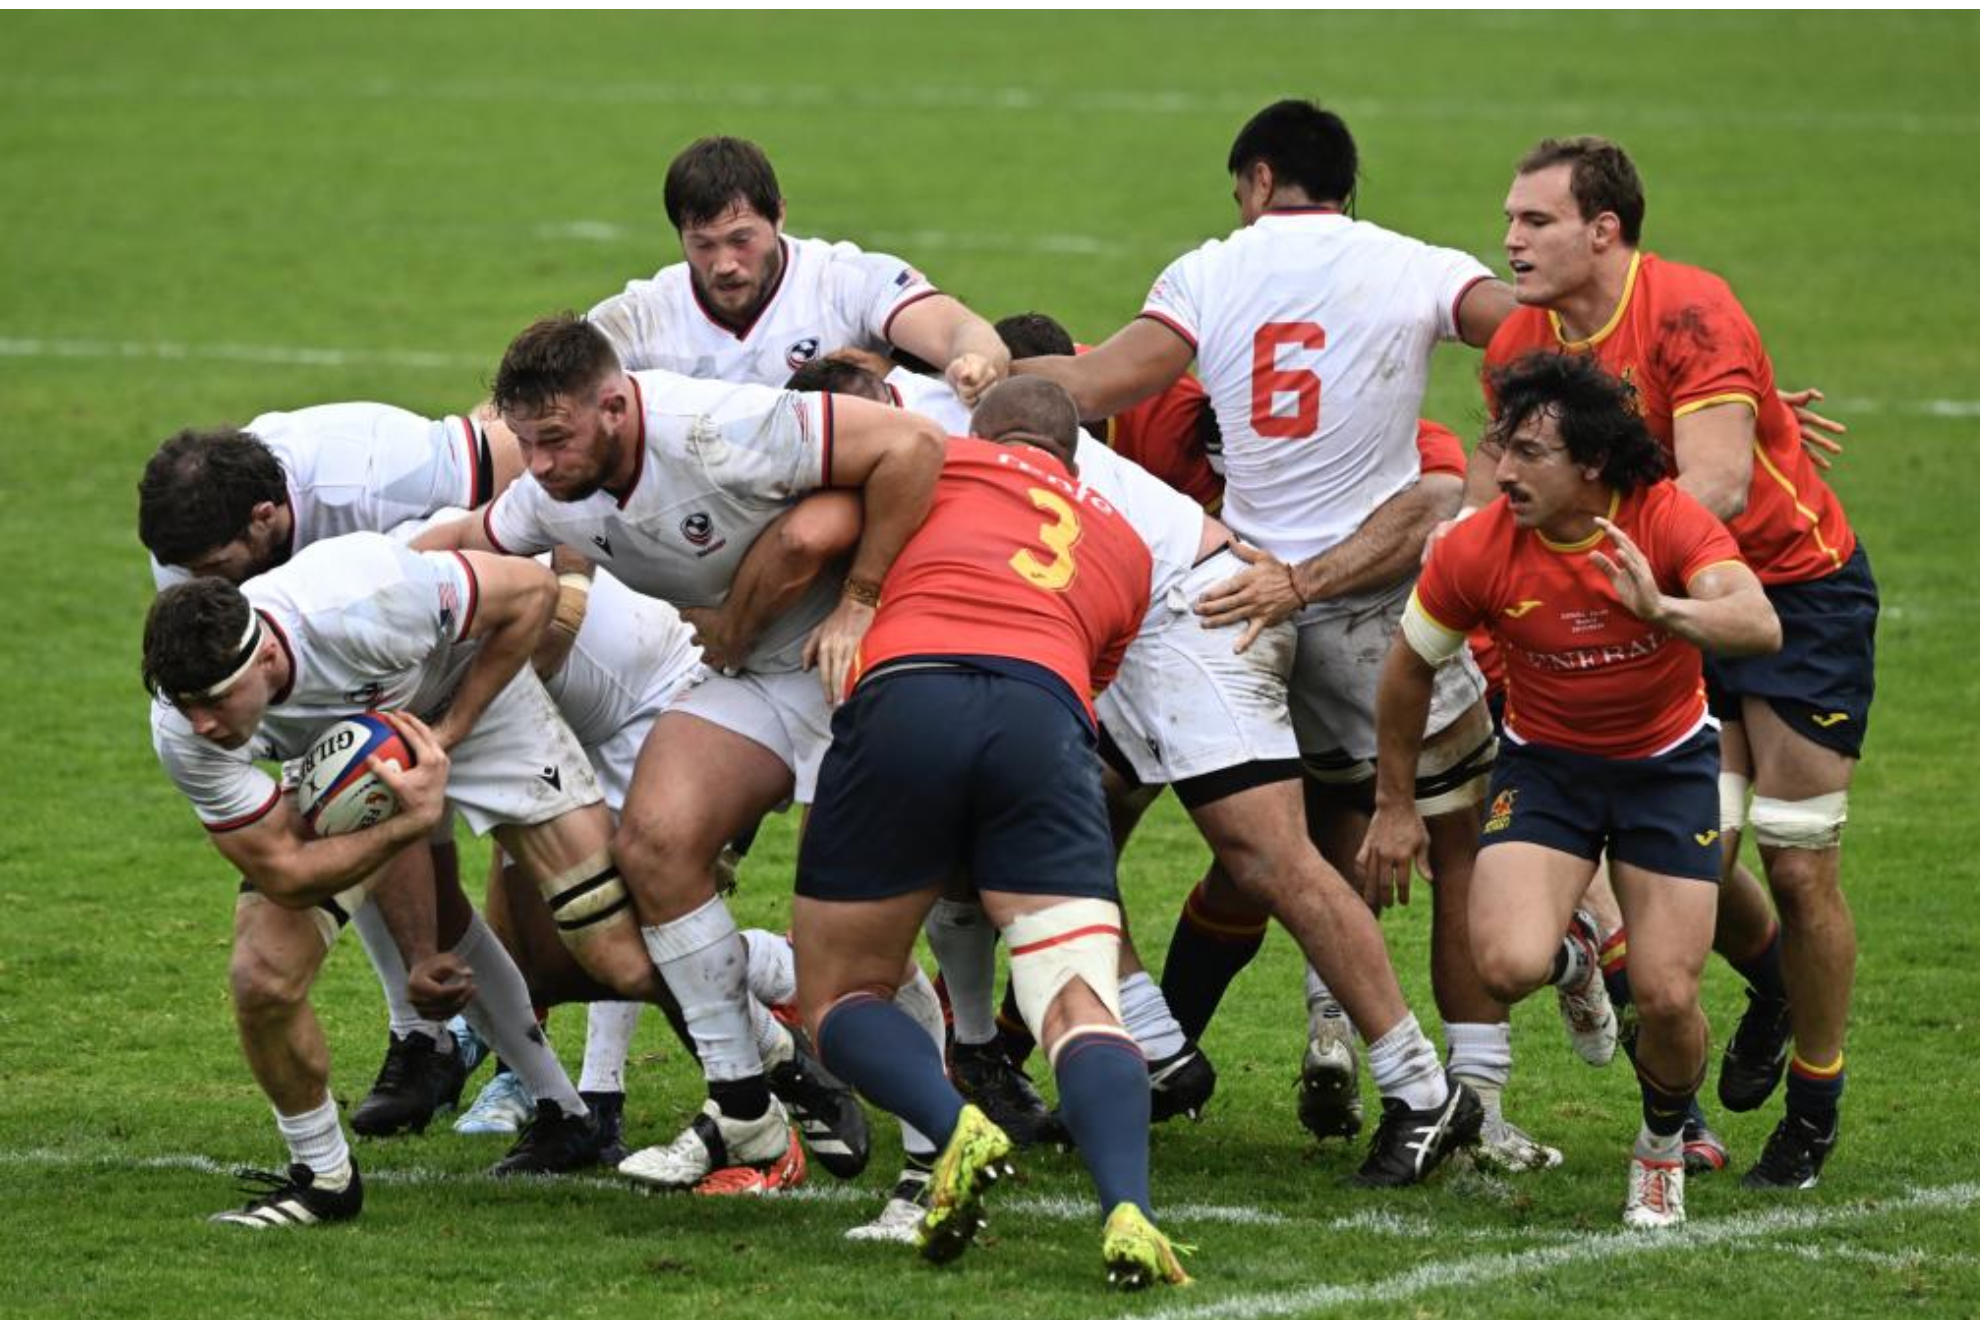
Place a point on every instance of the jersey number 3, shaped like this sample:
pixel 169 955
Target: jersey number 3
pixel 1059 536
pixel 1270 382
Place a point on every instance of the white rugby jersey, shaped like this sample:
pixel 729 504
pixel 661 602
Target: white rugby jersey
pixel 366 624
pixel 718 463
pixel 930 396
pixel 364 467
pixel 631 654
pixel 1170 522
pixel 829 296
pixel 1313 335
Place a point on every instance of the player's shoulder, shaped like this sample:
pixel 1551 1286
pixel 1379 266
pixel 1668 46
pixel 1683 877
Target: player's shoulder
pixel 1670 284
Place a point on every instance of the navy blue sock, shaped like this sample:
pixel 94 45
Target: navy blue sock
pixel 1205 955
pixel 1814 1093
pixel 1615 966
pixel 1762 969
pixel 1103 1096
pixel 883 1053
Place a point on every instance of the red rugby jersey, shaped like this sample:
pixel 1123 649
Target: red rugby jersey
pixel 1582 672
pixel 1682 339
pixel 1015 561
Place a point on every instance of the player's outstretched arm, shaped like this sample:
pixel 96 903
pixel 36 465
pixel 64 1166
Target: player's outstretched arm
pixel 941 331
pixel 1481 311
pixel 1141 359
pixel 456 534
pixel 287 866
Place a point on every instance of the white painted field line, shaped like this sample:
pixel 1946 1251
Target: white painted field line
pixel 1472 1271
pixel 267 354
pixel 1020 1205
pixel 1137 103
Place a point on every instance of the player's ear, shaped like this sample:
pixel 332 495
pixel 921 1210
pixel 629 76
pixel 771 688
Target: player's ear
pixel 1608 231
pixel 262 514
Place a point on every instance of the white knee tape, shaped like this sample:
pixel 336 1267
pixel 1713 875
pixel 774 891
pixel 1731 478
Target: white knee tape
pixel 1079 938
pixel 1812 823
pixel 1336 768
pixel 1732 801
pixel 1454 775
pixel 587 898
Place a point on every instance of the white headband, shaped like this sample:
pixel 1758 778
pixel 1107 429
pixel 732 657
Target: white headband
pixel 250 647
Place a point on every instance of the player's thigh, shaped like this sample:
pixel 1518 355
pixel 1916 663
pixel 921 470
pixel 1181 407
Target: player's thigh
pixel 1671 921
pixel 698 785
pixel 844 947
pixel 277 950
pixel 1522 897
pixel 1788 765
pixel 1258 836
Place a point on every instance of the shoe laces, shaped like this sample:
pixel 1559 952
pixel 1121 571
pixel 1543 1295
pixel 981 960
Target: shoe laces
pixel 266 1185
pixel 1653 1189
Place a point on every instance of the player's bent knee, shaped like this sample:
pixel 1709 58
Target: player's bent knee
pixel 262 987
pixel 1079 939
pixel 1509 974
pixel 1667 1001
pixel 1812 823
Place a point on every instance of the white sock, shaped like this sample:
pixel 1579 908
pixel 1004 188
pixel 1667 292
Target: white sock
pixel 704 961
pixel 965 946
pixel 501 1012
pixel 608 1034
pixel 1650 1146
pixel 1146 1016
pixel 1480 1053
pixel 1404 1065
pixel 772 1038
pixel 317 1140
pixel 772 967
pixel 1576 967
pixel 383 950
pixel 918 1000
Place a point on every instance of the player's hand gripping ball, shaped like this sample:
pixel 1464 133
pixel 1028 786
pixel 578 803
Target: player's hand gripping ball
pixel 339 791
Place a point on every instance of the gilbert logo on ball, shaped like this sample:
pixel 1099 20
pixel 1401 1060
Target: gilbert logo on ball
pixel 338 791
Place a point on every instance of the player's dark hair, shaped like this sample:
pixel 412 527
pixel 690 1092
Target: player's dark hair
pixel 558 355
pixel 1304 145
pixel 199 490
pixel 1602 178
pixel 829 375
pixel 1034 334
pixel 1596 413
pixel 1029 406
pixel 715 173
pixel 192 636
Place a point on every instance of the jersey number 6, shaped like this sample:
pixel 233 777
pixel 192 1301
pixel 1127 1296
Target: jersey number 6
pixel 1269 381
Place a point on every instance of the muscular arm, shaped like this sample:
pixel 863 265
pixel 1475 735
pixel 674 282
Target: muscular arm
pixel 1385 548
pixel 1143 358
pixel 456 534
pixel 286 865
pixel 780 566
pixel 1396 837
pixel 1479 313
pixel 1715 457
pixel 1724 608
pixel 894 457
pixel 515 600
pixel 941 331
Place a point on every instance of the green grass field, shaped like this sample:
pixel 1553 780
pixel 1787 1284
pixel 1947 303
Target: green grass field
pixel 205 218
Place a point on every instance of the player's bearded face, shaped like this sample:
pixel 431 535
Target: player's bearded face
pixel 569 447
pixel 1549 247
pixel 735 261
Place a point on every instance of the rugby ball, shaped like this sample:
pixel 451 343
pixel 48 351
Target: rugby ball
pixel 338 792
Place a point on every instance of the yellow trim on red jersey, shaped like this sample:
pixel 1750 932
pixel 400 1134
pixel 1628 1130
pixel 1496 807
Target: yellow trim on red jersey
pixel 1715 401
pixel 1615 317
pixel 1814 519
pixel 1588 542
pixel 1716 563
